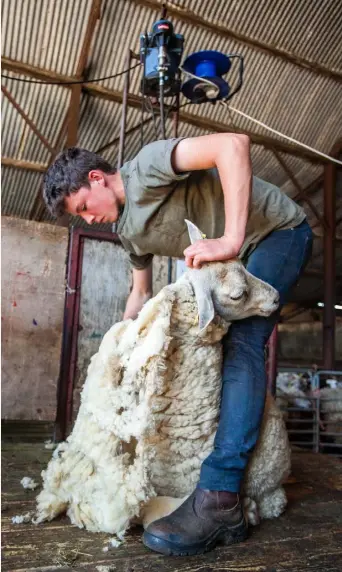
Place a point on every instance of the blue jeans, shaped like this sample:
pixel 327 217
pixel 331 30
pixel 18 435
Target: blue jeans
pixel 279 260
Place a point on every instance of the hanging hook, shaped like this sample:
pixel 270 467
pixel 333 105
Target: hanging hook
pixel 164 11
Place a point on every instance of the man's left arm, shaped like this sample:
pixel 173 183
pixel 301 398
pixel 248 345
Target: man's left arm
pixel 230 154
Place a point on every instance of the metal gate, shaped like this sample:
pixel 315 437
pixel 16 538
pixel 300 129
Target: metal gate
pixel 311 402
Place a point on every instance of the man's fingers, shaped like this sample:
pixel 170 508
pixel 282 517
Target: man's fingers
pixel 194 248
pixel 197 262
pixel 188 261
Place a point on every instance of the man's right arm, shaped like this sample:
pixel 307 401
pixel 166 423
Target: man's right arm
pixel 141 292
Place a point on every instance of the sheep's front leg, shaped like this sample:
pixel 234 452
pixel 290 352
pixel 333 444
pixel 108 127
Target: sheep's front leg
pixel 251 511
pixel 272 504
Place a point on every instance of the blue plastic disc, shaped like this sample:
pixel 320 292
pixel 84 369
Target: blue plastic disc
pixel 208 63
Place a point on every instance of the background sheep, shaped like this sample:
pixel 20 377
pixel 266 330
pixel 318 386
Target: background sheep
pixel 292 389
pixel 150 405
pixel 331 407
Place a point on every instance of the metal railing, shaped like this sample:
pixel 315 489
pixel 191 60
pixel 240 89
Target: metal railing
pixel 313 414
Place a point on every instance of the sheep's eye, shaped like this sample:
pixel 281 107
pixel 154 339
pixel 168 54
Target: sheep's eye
pixel 237 296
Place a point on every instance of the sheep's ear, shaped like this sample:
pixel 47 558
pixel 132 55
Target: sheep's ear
pixel 194 232
pixel 205 305
pixel 206 311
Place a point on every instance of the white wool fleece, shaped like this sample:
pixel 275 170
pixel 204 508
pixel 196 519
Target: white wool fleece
pixel 148 417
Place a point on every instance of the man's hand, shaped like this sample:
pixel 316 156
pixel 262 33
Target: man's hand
pixel 141 292
pixel 223 248
pixel 134 304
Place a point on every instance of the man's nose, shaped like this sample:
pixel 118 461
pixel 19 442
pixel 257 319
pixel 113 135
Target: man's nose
pixel 88 218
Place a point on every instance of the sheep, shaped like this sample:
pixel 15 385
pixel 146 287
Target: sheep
pixel 331 407
pixel 149 409
pixel 290 391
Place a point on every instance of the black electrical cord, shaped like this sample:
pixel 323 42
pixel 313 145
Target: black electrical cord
pixel 162 113
pixel 143 93
pixel 69 82
pixel 151 109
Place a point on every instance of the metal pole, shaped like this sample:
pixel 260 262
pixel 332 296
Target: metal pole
pixel 121 151
pixel 175 121
pixel 329 186
pixel 271 363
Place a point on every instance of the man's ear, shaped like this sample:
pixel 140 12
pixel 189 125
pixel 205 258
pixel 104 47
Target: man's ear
pixel 194 232
pixel 96 176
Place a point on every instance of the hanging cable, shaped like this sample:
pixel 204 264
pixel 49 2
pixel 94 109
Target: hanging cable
pixel 143 97
pixel 151 109
pixel 216 89
pixel 39 82
pixel 291 139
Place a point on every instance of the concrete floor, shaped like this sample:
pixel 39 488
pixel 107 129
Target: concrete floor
pixel 307 537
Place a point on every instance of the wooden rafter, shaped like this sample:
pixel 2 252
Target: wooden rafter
pixel 71 121
pixel 313 187
pixel 97 90
pixel 26 118
pixel 219 29
pixel 301 192
pixel 76 90
pixel 26 165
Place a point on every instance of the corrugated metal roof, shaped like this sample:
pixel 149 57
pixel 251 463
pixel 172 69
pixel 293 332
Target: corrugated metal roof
pixel 44 34
pixel 299 102
pixel 309 29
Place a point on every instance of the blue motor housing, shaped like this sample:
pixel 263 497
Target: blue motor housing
pixel 162 34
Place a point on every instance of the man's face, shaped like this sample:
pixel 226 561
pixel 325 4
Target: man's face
pixel 97 204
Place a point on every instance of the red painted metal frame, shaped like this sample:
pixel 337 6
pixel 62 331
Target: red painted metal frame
pixel 71 324
pixel 271 361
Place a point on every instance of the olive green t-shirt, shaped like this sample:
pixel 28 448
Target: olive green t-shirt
pixel 158 200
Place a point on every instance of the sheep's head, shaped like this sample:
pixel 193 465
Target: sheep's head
pixel 226 288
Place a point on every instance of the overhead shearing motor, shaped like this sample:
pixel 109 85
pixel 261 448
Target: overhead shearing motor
pixel 161 53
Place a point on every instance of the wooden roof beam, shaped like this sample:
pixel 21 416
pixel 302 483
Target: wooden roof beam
pixel 76 90
pixel 301 191
pixel 71 121
pixel 219 29
pixel 97 90
pixel 209 124
pixel 26 118
pixel 313 187
pixel 26 165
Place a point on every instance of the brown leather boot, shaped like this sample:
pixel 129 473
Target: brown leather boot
pixel 202 521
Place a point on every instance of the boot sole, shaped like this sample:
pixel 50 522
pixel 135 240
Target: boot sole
pixel 168 548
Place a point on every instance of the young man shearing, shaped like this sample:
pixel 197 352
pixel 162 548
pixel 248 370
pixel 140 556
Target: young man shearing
pixel 209 181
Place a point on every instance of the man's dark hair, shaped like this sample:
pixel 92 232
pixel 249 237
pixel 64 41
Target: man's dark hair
pixel 68 174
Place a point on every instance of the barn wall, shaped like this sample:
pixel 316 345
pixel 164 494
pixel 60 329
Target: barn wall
pixel 304 341
pixel 32 307
pixel 106 284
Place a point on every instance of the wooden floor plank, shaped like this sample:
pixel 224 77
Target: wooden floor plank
pixel 307 537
